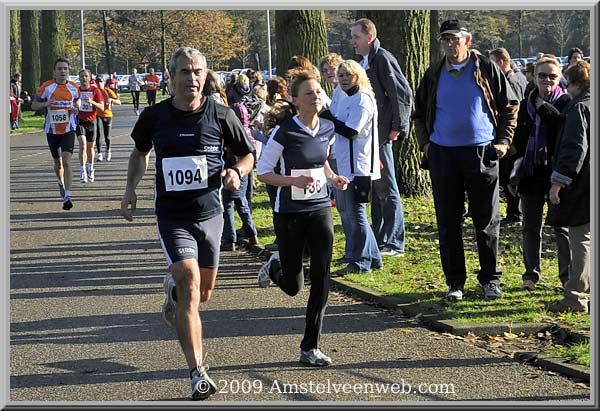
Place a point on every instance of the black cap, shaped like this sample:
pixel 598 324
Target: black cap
pixel 453 26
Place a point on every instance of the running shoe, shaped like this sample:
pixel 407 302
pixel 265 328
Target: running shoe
pixel 263 278
pixel 202 385
pixel 100 157
pixel 168 311
pixel 91 175
pixel 83 175
pixel 67 204
pixel 315 357
pixel 108 155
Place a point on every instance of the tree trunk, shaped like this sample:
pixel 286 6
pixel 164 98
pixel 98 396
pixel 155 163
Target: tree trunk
pixel 435 51
pixel 406 34
pixel 106 45
pixel 15 42
pixel 30 50
pixel 52 42
pixel 299 32
pixel 163 56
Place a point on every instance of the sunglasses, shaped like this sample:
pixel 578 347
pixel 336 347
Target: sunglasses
pixel 544 76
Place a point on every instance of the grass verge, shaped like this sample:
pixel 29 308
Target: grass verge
pixel 573 353
pixel 418 279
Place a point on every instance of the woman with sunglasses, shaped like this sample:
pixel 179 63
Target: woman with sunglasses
pixel 537 127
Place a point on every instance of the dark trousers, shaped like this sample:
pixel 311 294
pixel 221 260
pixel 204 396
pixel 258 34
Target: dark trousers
pixel 512 202
pixel 151 95
pixel 104 124
pixel 316 230
pixel 454 170
pixel 135 95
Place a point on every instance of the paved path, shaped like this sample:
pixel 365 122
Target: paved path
pixel 85 322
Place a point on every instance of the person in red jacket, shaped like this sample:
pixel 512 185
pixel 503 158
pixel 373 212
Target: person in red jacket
pixel 91 100
pixel 152 81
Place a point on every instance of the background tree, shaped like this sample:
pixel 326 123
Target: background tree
pixel 106 43
pixel 405 33
pixel 15 43
pixel 435 51
pixel 30 50
pixel 52 44
pixel 301 32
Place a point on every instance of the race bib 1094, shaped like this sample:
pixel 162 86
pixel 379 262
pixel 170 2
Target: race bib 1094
pixel 185 173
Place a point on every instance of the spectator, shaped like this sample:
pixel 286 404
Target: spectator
pixel 529 74
pixel 276 90
pixel 575 55
pixel 501 57
pixel 240 89
pixel 232 80
pixel 356 146
pixel 213 89
pixel 394 98
pixel 462 151
pixel 16 88
pixel 570 191
pixel 537 127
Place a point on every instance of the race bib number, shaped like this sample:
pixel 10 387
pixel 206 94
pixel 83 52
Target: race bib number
pixel 58 116
pixel 316 191
pixel 185 173
pixel 150 83
pixel 85 105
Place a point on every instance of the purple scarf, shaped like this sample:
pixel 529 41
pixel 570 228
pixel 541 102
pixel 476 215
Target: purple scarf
pixel 536 153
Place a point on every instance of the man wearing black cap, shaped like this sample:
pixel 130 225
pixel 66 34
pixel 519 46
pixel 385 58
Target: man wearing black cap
pixel 465 116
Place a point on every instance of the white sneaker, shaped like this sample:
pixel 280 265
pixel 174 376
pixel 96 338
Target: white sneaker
pixel 454 294
pixel 108 156
pixel 263 278
pixel 91 175
pixel 83 175
pixel 100 157
pixel 168 311
pixel 202 385
pixel 315 357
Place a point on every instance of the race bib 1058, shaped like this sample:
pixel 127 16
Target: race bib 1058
pixel 185 173
pixel 58 116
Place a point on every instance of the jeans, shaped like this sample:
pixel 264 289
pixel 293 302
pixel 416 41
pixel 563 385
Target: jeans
pixel 474 169
pixel 386 206
pixel 315 229
pixel 532 206
pixel 238 199
pixel 361 245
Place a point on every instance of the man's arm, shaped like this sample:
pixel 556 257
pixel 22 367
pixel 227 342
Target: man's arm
pixel 231 178
pixel 138 164
pixel 400 96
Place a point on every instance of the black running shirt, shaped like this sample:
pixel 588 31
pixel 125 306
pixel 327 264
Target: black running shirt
pixel 189 147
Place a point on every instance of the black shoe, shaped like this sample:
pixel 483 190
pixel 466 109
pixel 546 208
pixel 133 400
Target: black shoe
pixel 67 204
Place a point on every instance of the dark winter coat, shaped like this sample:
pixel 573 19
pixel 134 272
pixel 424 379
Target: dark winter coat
pixel 571 165
pixel 552 119
pixel 393 94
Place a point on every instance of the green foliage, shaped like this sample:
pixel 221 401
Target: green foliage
pixel 575 353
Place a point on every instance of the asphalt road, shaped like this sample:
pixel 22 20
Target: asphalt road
pixel 85 323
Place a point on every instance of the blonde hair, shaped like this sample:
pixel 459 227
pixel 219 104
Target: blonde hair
pixel 243 79
pixel 355 69
pixel 548 60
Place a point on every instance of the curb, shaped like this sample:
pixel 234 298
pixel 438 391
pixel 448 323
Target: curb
pixel 457 328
